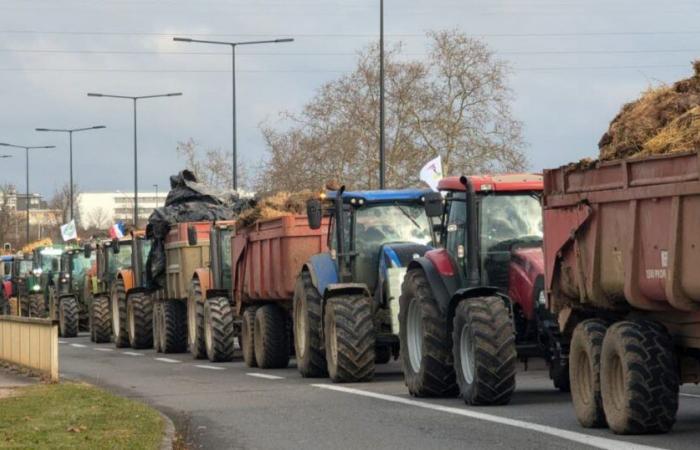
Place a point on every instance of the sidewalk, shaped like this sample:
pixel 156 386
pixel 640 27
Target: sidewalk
pixel 9 381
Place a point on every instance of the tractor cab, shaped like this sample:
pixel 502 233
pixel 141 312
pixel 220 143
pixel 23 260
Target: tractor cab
pixel 220 258
pixel 74 267
pixel 22 272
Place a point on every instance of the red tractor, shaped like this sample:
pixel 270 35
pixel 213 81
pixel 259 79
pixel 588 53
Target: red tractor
pixel 471 309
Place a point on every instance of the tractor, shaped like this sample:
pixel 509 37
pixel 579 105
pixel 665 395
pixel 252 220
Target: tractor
pixel 470 309
pixel 137 298
pixel 27 299
pixel 345 304
pixel 72 280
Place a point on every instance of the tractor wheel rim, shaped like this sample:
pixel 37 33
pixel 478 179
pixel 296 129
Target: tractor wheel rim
pixel 300 328
pixel 584 387
pixel 115 314
pixel 414 335
pixel 466 354
pixel 207 330
pixel 617 383
pixel 130 320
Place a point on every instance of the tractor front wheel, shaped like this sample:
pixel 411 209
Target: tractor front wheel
pixel 119 322
pixel 68 317
pixel 308 348
pixel 139 311
pixel 100 320
pixel 218 329
pixel 36 306
pixel 195 320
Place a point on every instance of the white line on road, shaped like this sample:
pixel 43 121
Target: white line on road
pixel 78 345
pixel 586 439
pixel 264 375
pixel 62 342
pixel 103 349
pixel 132 353
pixel 690 395
pixel 202 366
pixel 167 360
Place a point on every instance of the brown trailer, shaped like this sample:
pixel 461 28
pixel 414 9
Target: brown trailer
pixel 622 251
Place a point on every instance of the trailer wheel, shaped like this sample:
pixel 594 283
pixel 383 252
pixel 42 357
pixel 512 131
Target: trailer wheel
pixel 68 316
pixel 349 338
pixel 119 325
pixel 270 337
pixel 311 359
pixel 173 328
pixel 483 348
pixel 218 329
pixel 426 346
pixel 584 372
pixel 195 320
pixel 247 339
pixel 101 322
pixel 139 311
pixel 36 306
pixel 639 378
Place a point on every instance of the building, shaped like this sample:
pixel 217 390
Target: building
pixel 103 209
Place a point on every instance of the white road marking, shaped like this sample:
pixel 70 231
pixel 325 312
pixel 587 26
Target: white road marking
pixel 264 375
pixel 202 366
pixel 167 360
pixel 581 438
pixel 690 395
pixel 132 353
pixel 103 349
pixel 78 345
pixel 62 342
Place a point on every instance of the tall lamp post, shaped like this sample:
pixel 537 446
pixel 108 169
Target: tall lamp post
pixel 136 166
pixel 233 46
pixel 382 156
pixel 70 158
pixel 26 152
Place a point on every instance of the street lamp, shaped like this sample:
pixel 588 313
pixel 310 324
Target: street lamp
pixel 136 181
pixel 233 46
pixel 26 150
pixel 70 158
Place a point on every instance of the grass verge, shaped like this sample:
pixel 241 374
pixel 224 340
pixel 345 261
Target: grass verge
pixel 76 416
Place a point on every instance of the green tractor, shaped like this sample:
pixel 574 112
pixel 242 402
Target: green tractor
pixel 71 282
pixel 25 275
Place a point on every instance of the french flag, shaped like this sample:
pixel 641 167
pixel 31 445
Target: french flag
pixel 117 231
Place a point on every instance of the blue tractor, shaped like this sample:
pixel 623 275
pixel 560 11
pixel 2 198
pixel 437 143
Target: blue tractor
pixel 346 299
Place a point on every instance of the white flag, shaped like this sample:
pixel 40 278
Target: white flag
pixel 431 173
pixel 68 231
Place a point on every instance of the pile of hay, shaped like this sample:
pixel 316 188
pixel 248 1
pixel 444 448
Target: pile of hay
pixel 663 120
pixel 275 205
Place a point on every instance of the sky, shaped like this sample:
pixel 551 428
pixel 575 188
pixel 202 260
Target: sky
pixel 574 63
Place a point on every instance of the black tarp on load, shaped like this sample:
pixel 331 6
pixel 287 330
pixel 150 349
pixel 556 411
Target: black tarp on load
pixel 187 201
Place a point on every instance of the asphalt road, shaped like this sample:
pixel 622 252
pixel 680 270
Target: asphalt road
pixel 223 406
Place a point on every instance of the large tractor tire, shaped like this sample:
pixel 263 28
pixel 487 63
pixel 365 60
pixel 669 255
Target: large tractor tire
pixel 157 326
pixel 195 320
pixel 426 345
pixel 68 317
pixel 218 330
pixel 483 350
pixel 584 372
pixel 36 306
pixel 310 356
pixel 247 340
pixel 120 327
pixel 350 338
pixel 271 337
pixel 173 330
pixel 639 378
pixel 100 320
pixel 139 316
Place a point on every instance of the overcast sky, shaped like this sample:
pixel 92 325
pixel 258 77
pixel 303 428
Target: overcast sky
pixel 574 63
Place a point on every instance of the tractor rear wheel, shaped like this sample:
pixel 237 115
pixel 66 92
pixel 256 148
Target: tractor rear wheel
pixel 101 322
pixel 173 328
pixel 350 338
pixel 639 378
pixel 247 339
pixel 311 359
pixel 139 312
pixel 584 372
pixel 218 329
pixel 271 337
pixel 483 348
pixel 195 320
pixel 426 346
pixel 36 306
pixel 68 317
pixel 119 325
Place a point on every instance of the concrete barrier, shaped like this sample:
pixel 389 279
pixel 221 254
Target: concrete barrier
pixel 30 343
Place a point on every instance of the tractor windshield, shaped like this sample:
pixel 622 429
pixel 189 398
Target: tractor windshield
pixel 25 267
pixel 225 236
pixel 381 224
pixel 81 264
pixel 120 260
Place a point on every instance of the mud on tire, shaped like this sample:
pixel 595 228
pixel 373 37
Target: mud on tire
pixel 639 378
pixel 310 356
pixel 584 372
pixel 271 337
pixel 140 320
pixel 68 317
pixel 100 320
pixel 218 329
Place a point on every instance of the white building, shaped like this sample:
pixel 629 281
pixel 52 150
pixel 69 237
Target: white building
pixel 103 209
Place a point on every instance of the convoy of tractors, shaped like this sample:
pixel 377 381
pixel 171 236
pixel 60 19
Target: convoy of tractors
pixel 589 268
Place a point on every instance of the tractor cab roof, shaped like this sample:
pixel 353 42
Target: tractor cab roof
pixel 385 196
pixel 495 183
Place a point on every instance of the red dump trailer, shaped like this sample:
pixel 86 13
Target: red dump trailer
pixel 622 252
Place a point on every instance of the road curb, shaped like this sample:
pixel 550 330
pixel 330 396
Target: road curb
pixel 168 433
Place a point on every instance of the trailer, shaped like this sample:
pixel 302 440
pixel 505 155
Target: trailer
pixel 621 253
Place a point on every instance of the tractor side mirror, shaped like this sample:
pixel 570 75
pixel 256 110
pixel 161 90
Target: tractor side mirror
pixel 314 213
pixel 191 235
pixel 87 251
pixel 433 204
pixel 115 246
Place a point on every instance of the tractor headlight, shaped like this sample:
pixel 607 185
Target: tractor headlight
pixel 67 275
pixel 36 287
pixel 541 299
pixel 37 272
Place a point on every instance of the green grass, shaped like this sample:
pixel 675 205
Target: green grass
pixel 76 416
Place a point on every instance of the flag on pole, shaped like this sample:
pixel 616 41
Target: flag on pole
pixel 117 231
pixel 68 231
pixel 431 173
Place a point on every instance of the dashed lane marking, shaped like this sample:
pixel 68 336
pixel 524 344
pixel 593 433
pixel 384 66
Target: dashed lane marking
pixel 62 342
pixel 202 366
pixel 168 360
pixel 103 349
pixel 690 395
pixel 132 353
pixel 265 376
pixel 581 438
pixel 78 345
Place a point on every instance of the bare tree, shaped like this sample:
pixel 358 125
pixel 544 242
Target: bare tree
pixel 456 104
pixel 61 201
pixel 98 218
pixel 8 215
pixel 211 166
